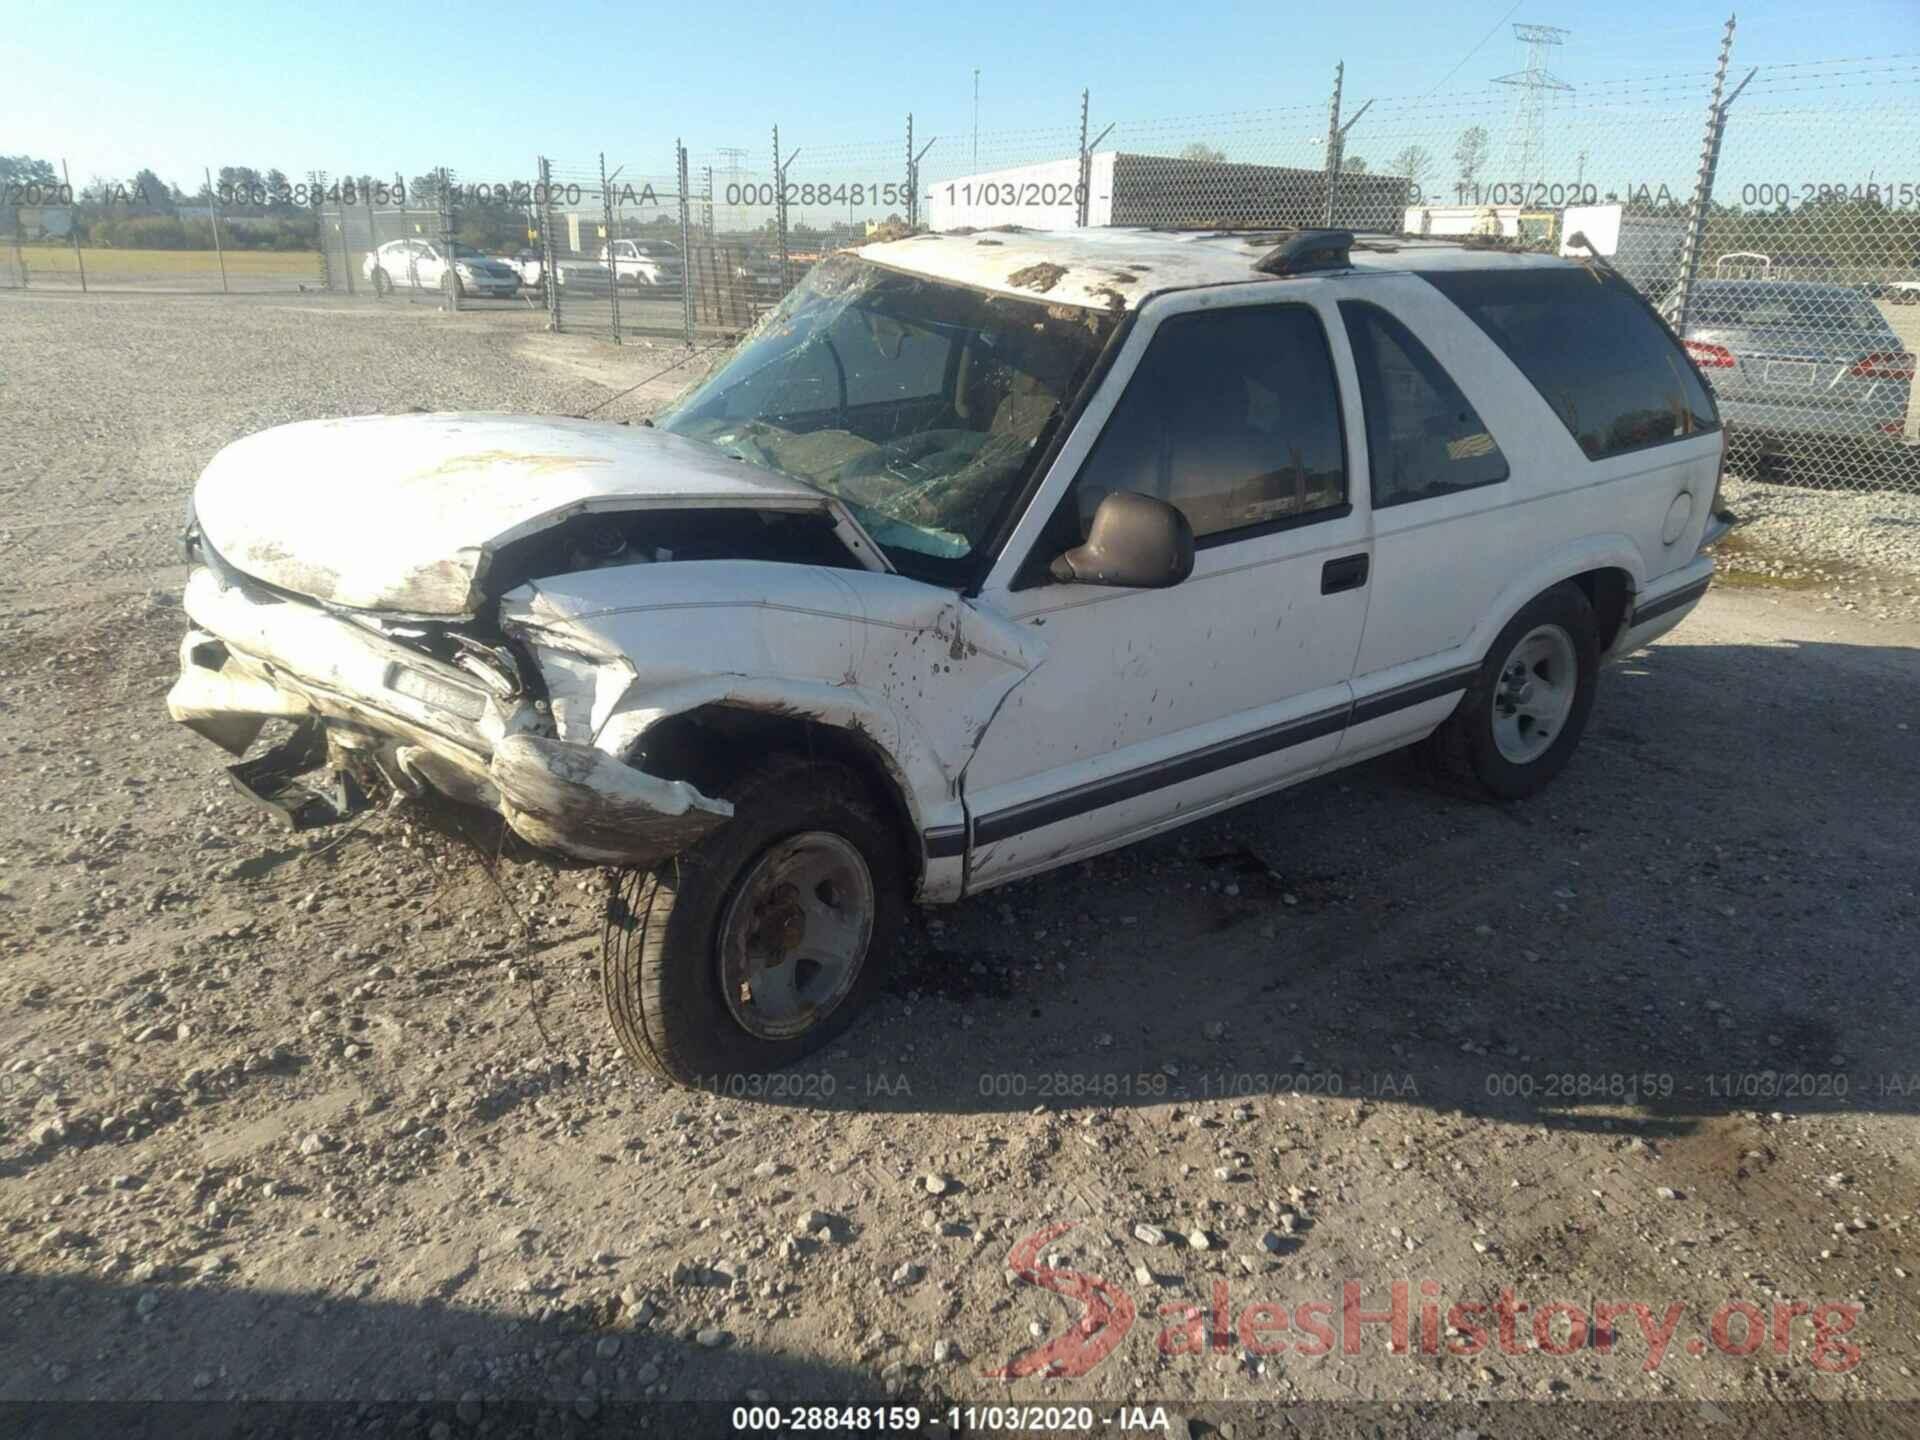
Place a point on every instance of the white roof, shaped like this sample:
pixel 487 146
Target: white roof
pixel 1119 267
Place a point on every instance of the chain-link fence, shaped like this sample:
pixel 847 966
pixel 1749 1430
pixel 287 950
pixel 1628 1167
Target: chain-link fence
pixel 238 234
pixel 1806 312
pixel 1764 212
pixel 13 261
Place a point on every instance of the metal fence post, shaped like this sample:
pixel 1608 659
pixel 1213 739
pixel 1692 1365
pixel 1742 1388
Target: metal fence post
pixel 1086 168
pixel 316 189
pixel 780 213
pixel 213 219
pixel 1333 142
pixel 613 250
pixel 452 280
pixel 1702 205
pixel 340 216
pixel 73 224
pixel 686 244
pixel 373 236
pixel 549 282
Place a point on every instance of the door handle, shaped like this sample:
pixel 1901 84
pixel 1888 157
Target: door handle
pixel 1349 572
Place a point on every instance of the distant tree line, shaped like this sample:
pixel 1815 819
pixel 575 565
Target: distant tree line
pixel 145 212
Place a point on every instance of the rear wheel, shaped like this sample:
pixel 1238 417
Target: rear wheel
pixel 759 944
pixel 382 286
pixel 1524 712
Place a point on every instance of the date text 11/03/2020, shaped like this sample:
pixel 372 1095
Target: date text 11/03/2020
pixel 1766 195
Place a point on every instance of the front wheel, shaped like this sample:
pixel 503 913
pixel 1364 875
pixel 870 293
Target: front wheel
pixel 1524 712
pixel 382 285
pixel 759 944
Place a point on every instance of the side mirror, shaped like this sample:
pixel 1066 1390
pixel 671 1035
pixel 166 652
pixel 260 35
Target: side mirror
pixel 1135 541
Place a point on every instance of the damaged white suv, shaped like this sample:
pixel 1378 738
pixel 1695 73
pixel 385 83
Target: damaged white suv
pixel 980 555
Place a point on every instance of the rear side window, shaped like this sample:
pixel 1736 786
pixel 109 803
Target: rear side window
pixel 1423 438
pixel 1610 370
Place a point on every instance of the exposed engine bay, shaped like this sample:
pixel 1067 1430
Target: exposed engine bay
pixel 596 541
pixel 583 542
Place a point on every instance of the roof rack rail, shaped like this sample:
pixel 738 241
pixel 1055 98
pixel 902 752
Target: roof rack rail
pixel 1308 250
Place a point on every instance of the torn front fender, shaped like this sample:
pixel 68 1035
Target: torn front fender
pixel 585 803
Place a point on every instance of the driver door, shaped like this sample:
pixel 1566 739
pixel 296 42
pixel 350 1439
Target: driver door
pixel 1156 706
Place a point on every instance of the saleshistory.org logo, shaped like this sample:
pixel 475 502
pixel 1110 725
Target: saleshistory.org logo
pixel 1413 1315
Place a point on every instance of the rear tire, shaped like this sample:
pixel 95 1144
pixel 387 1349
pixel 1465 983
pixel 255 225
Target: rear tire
pixel 382 286
pixel 1524 712
pixel 678 997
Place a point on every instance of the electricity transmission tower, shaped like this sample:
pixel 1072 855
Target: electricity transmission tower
pixel 1527 140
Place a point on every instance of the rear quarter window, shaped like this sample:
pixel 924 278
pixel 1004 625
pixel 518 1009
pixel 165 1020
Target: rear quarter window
pixel 1594 350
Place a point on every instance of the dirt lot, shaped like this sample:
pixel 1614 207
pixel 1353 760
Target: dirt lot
pixel 337 1117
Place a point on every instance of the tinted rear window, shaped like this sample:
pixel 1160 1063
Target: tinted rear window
pixel 1593 349
pixel 1788 307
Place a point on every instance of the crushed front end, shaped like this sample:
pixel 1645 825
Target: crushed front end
pixel 433 709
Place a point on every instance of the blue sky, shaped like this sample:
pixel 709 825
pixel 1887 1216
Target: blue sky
pixel 483 86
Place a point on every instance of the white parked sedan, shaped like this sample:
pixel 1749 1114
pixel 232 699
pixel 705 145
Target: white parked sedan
pixel 977 558
pixel 644 264
pixel 422 265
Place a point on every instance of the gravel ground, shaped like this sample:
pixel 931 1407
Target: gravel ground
pixel 1859 547
pixel 338 1117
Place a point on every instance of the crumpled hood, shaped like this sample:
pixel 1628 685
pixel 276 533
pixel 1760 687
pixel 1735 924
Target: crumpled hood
pixel 403 513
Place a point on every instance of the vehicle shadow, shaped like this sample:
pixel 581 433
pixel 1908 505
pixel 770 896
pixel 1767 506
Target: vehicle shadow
pixel 85 1357
pixel 1709 912
pixel 185 1356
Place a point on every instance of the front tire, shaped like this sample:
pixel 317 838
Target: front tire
pixel 759 944
pixel 382 284
pixel 1523 714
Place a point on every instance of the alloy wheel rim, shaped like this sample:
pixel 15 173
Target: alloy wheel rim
pixel 795 934
pixel 1534 693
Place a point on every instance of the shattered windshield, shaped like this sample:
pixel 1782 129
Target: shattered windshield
pixel 922 405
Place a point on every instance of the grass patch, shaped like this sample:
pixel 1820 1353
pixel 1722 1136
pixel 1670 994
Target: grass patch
pixel 290 265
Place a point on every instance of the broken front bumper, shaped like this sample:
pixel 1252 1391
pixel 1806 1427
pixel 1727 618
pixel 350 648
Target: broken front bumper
pixel 424 725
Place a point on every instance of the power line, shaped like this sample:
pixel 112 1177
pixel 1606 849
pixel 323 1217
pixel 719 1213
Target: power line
pixel 1476 49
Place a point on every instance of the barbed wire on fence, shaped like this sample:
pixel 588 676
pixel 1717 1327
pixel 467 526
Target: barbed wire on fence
pixel 1791 242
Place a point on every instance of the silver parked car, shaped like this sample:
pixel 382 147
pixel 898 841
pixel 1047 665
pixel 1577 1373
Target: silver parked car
pixel 1808 371
pixel 422 265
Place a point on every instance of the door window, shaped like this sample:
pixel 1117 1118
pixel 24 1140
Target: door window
pixel 1423 438
pixel 1233 416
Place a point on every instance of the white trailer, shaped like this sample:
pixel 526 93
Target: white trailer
pixel 1034 197
pixel 1127 188
pixel 1645 249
